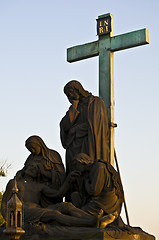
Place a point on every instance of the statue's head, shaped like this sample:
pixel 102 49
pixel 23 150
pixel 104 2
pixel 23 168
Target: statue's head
pixel 82 162
pixel 75 91
pixel 37 146
pixel 32 170
pixel 33 144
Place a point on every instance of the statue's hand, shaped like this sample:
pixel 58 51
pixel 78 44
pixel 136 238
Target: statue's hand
pixel 75 103
pixel 73 175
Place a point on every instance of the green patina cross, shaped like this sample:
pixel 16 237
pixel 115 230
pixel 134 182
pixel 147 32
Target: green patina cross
pixel 105 48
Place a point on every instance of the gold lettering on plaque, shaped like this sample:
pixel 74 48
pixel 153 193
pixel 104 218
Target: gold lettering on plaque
pixel 101 30
pixel 106 22
pixel 100 23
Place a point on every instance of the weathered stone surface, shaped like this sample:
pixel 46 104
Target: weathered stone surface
pixel 83 234
pixel 125 236
pixel 92 187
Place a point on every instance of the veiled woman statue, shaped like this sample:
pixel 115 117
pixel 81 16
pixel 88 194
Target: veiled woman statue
pixel 52 172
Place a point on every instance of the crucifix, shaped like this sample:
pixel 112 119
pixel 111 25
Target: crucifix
pixel 105 47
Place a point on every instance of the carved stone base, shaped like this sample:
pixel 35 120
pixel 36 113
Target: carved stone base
pixel 125 236
pixel 71 233
pixel 106 236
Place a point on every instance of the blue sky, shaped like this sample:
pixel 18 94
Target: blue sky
pixel 34 36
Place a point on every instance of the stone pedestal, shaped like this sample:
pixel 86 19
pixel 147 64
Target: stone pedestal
pixel 125 236
pixel 135 233
pixel 70 233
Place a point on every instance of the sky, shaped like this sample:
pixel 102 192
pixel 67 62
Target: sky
pixel 34 37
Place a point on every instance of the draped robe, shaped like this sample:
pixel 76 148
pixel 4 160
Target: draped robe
pixel 104 188
pixel 85 130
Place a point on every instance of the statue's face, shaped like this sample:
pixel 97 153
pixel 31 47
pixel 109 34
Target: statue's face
pixel 32 170
pixel 34 148
pixel 72 94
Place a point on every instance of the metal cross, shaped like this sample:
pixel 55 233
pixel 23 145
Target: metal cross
pixel 105 47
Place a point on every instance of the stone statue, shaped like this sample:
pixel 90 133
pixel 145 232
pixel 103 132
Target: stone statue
pixel 92 187
pixel 84 128
pixel 50 163
pixel 62 213
pixel 103 188
pixel 64 220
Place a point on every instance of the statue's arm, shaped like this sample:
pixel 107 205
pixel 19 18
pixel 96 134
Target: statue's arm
pixel 95 183
pixel 67 122
pixel 70 117
pixel 44 172
pixel 49 192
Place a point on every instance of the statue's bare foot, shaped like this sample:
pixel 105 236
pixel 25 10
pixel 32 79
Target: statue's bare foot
pixel 99 215
pixel 105 220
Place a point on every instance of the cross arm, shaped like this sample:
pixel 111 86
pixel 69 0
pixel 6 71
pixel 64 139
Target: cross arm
pixel 81 52
pixel 129 40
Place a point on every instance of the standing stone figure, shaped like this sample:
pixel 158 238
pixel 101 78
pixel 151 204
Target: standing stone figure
pixel 84 128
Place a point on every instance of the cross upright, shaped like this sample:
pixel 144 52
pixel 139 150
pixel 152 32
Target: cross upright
pixel 105 47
